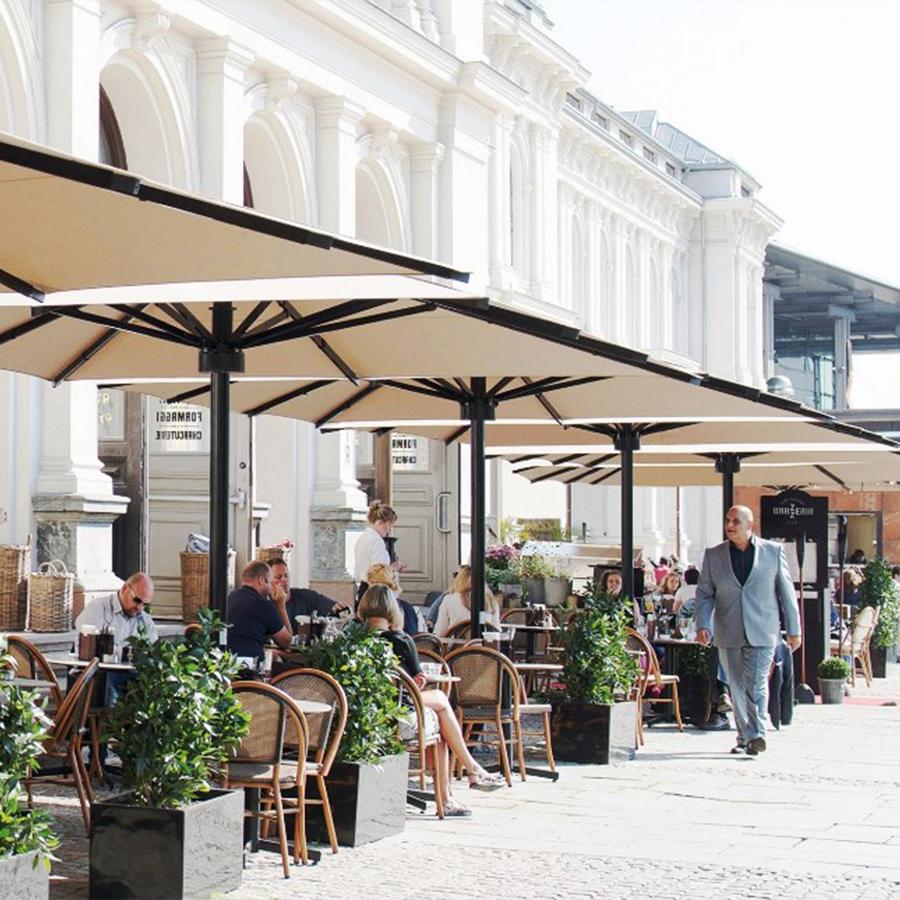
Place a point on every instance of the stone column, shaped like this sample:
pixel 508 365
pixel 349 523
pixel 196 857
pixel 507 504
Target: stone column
pixel 544 222
pixel 424 168
pixel 337 511
pixel 74 505
pixel 499 211
pixel 221 67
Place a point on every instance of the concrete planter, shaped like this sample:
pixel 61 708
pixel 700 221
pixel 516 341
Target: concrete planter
pixel 883 660
pixel 368 801
pixel 533 591
pixel 832 689
pixel 144 852
pixel 599 733
pixel 24 877
pixel 556 591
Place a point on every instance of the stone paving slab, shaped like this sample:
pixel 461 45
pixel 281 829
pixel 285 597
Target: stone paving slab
pixel 817 816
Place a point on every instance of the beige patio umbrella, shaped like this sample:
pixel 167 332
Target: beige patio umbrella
pixel 89 254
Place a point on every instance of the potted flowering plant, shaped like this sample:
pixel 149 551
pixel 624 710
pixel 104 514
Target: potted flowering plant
pixel 500 570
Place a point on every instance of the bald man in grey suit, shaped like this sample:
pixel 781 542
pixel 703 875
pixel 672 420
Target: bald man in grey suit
pixel 743 585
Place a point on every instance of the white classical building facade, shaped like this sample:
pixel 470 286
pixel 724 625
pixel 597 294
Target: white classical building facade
pixel 453 129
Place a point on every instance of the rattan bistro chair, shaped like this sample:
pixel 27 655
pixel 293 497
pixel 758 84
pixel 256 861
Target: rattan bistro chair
pixel 635 643
pixel 425 640
pixel 63 742
pixel 325 731
pixel 855 641
pixel 31 663
pixel 424 747
pixel 259 762
pixel 483 699
pixel 656 679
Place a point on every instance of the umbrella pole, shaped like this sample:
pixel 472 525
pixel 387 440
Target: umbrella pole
pixel 727 465
pixel 627 439
pixel 220 360
pixel 478 410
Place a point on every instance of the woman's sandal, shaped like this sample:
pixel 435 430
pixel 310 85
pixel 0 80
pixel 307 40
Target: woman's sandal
pixel 487 781
pixel 453 809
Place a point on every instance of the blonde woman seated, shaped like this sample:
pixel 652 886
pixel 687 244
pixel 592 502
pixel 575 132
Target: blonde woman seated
pixel 387 575
pixel 379 610
pixel 457 605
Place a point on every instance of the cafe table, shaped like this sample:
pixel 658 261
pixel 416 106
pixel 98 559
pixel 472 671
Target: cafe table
pixel 32 683
pixel 71 661
pixel 531 633
pixel 671 645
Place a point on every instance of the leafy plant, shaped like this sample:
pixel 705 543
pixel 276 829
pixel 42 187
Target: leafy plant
pixel 175 724
pixel 693 661
pixel 535 566
pixel 499 565
pixel 834 669
pixel 23 728
pixel 880 590
pixel 362 663
pixel 597 666
pixel 594 597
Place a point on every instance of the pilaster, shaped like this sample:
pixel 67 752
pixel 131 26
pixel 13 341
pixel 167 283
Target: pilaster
pixel 337 125
pixel 424 169
pixel 499 207
pixel 544 221
pixel 221 68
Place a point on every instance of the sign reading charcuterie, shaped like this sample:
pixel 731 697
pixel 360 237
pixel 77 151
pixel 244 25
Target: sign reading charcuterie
pixel 178 428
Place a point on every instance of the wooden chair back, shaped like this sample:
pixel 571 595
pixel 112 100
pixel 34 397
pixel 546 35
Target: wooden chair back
pixel 273 716
pixel 427 641
pixel 461 630
pixel 31 663
pixel 481 671
pixel 71 715
pixel 325 730
pixel 650 672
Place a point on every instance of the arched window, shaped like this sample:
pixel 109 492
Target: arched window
pixel 112 147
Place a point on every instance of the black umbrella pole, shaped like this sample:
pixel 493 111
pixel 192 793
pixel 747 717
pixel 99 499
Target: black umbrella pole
pixel 218 491
pixel 478 521
pixel 626 442
pixel 221 358
pixel 727 465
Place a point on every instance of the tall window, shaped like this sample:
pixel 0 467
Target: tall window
pixel 112 147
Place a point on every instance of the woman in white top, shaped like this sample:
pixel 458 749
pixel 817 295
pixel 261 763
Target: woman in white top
pixel 371 549
pixel 456 607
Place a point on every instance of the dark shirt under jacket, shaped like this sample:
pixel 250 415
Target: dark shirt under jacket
pixel 302 602
pixel 742 561
pixel 253 618
pixel 405 650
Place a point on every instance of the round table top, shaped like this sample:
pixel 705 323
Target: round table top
pixel 25 683
pixel 440 678
pixel 538 667
pixel 530 627
pixel 72 661
pixel 312 706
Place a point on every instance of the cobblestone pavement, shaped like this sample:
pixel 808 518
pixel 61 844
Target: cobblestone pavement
pixel 818 815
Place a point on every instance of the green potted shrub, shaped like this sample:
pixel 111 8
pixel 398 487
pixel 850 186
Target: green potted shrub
pixel 880 590
pixel 593 718
pixel 173 727
pixel 368 781
pixel 833 674
pixel 533 571
pixel 26 835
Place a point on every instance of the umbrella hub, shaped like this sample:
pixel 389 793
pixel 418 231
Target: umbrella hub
pixel 221 358
pixel 479 408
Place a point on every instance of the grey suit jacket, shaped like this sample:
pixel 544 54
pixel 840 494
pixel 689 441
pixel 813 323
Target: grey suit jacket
pixel 747 615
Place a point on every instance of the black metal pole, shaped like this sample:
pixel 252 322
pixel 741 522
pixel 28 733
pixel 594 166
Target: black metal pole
pixel 727 465
pixel 220 360
pixel 479 410
pixel 626 441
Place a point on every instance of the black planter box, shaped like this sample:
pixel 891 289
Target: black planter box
pixel 594 733
pixel 161 854
pixel 368 801
pixel 883 660
pixel 21 878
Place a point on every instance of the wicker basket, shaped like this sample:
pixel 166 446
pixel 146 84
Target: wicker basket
pixel 268 553
pixel 15 562
pixel 50 592
pixel 195 582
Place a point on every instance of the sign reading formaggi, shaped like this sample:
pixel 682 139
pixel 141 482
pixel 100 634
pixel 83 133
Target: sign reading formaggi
pixel 178 428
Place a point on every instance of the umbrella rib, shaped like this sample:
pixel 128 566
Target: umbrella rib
pixel 348 404
pixel 191 394
pixel 20 286
pixel 548 406
pixel 305 326
pixel 290 395
pixel 830 475
pixel 181 313
pixel 441 389
pixel 369 320
pixel 40 319
pixel 453 438
pixel 414 388
pixel 580 477
pixel 76 313
pixel 660 427
pixel 597 428
pixel 323 345
pixel 607 476
pixel 555 383
pixel 136 312
pixel 250 319
pixel 265 326
pixel 502 383
pixel 87 354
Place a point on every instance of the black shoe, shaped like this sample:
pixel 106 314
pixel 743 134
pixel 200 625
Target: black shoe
pixel 756 746
pixel 739 748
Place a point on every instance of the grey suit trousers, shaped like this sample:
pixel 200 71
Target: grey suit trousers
pixel 748 677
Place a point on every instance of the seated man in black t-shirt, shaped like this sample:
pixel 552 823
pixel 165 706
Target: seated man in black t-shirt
pixel 299 601
pixel 253 617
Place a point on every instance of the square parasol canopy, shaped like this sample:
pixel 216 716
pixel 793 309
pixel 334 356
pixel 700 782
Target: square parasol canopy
pixel 90 254
pixel 602 379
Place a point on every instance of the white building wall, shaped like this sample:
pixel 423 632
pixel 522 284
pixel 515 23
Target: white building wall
pixel 456 119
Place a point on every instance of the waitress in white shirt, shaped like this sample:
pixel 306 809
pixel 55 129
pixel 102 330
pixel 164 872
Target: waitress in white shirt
pixel 371 549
